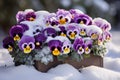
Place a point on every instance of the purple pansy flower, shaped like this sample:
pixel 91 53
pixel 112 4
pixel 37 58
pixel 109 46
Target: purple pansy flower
pixel 24 26
pixel 75 12
pixel 63 16
pixel 88 46
pixel 27 15
pixel 20 16
pixel 30 16
pixel 83 19
pixel 51 20
pixel 100 39
pixel 27 44
pixel 66 47
pixel 50 32
pixel 107 36
pixel 62 31
pixel 82 30
pixel 72 31
pixel 94 32
pixel 55 47
pixel 102 23
pixel 8 43
pixel 39 40
pixel 16 32
pixel 79 45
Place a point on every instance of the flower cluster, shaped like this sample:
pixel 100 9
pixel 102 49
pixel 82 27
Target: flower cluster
pixel 42 35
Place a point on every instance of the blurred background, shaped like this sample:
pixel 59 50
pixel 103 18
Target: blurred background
pixel 107 9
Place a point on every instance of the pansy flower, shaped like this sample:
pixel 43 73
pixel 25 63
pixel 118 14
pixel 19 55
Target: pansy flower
pixel 79 45
pixel 30 16
pixel 75 12
pixel 20 16
pixel 27 44
pixel 102 23
pixel 100 39
pixel 39 40
pixel 62 31
pixel 50 32
pixel 8 43
pixel 82 30
pixel 88 46
pixel 51 20
pixel 107 36
pixel 94 32
pixel 63 16
pixel 55 47
pixel 72 31
pixel 27 15
pixel 66 47
pixel 83 19
pixel 16 32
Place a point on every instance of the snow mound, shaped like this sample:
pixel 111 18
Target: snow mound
pixel 66 71
pixel 5 58
pixel 114 50
pixel 61 72
pixel 97 73
pixel 112 63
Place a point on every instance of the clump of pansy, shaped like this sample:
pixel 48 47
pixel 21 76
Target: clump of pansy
pixel 41 36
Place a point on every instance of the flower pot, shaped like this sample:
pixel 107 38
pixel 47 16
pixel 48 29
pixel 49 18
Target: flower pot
pixel 44 68
pixel 92 60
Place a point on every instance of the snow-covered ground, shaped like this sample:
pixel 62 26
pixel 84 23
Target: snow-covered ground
pixel 110 71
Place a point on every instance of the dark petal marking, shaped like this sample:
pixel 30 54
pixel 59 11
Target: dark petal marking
pixel 53 35
pixel 64 32
pixel 66 19
pixel 70 33
pixel 53 23
pixel 52 48
pixel 33 32
pixel 84 21
pixel 30 45
pixel 67 46
pixel 79 20
pixel 75 32
pixel 37 30
pixel 25 45
pixel 60 17
pixel 58 48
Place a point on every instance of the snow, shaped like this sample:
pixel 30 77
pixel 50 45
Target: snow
pixel 110 71
pixel 96 73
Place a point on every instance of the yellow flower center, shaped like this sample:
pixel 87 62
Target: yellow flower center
pixel 99 42
pixel 66 50
pixel 62 34
pixel 83 33
pixel 62 21
pixel 72 35
pixel 37 43
pixel 108 38
pixel 16 38
pixel 80 49
pixel 27 50
pixel 56 52
pixel 10 49
pixel 81 22
pixel 32 19
pixel 94 36
pixel 86 49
